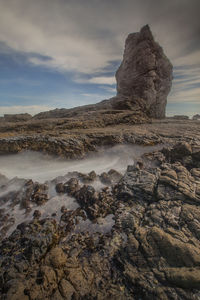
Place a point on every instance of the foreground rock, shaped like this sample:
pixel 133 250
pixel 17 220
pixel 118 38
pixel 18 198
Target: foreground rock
pixel 149 247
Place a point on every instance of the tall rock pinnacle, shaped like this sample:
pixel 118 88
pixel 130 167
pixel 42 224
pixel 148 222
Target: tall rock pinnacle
pixel 145 72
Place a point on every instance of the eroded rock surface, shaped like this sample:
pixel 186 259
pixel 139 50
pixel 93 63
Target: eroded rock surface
pixel 15 117
pixel 138 238
pixel 145 73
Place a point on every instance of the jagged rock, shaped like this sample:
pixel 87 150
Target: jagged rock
pixel 145 72
pixel 72 186
pixel 188 155
pixel 137 185
pixel 85 178
pixel 40 194
pixel 151 252
pixel 112 176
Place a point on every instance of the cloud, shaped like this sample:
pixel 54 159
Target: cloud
pixel 60 30
pixel 103 80
pixel 69 36
pixel 18 109
pixel 97 80
pixel 109 89
pixel 186 84
pixel 85 38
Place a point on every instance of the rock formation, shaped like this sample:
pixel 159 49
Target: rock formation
pixel 143 81
pixel 136 239
pixel 145 72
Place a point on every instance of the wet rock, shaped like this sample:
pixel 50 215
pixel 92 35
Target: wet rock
pixel 105 178
pixel 137 185
pixel 40 194
pixel 96 204
pixel 151 250
pixel 87 195
pixel 60 188
pixel 180 150
pixel 188 155
pixel 111 177
pixel 72 186
pixel 36 214
pixel 84 178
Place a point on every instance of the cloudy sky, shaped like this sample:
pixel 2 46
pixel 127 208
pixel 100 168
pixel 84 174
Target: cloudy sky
pixel 64 53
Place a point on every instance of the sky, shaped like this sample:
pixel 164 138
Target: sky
pixel 64 53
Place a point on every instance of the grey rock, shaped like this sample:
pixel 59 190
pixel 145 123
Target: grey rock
pixel 145 72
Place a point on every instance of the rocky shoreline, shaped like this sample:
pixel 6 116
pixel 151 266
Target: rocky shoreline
pixel 135 238
pixel 113 235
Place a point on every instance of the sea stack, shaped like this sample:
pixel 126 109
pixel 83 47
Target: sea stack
pixel 145 73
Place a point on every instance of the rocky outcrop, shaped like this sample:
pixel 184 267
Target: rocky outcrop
pixel 143 81
pixel 72 146
pixel 143 241
pixel 17 117
pixel 145 72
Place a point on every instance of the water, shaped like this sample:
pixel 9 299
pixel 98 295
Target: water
pixel 45 168
pixel 41 167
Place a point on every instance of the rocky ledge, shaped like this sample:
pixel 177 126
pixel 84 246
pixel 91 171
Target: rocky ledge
pixel 138 237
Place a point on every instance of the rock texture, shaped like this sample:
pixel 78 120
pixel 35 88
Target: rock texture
pixel 145 72
pixel 16 117
pixel 104 236
pixel 137 239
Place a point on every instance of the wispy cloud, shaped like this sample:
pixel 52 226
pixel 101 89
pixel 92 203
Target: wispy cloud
pixel 186 84
pixel 97 80
pixel 109 89
pixel 84 38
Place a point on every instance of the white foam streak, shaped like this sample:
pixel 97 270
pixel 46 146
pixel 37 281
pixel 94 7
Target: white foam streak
pixel 40 167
